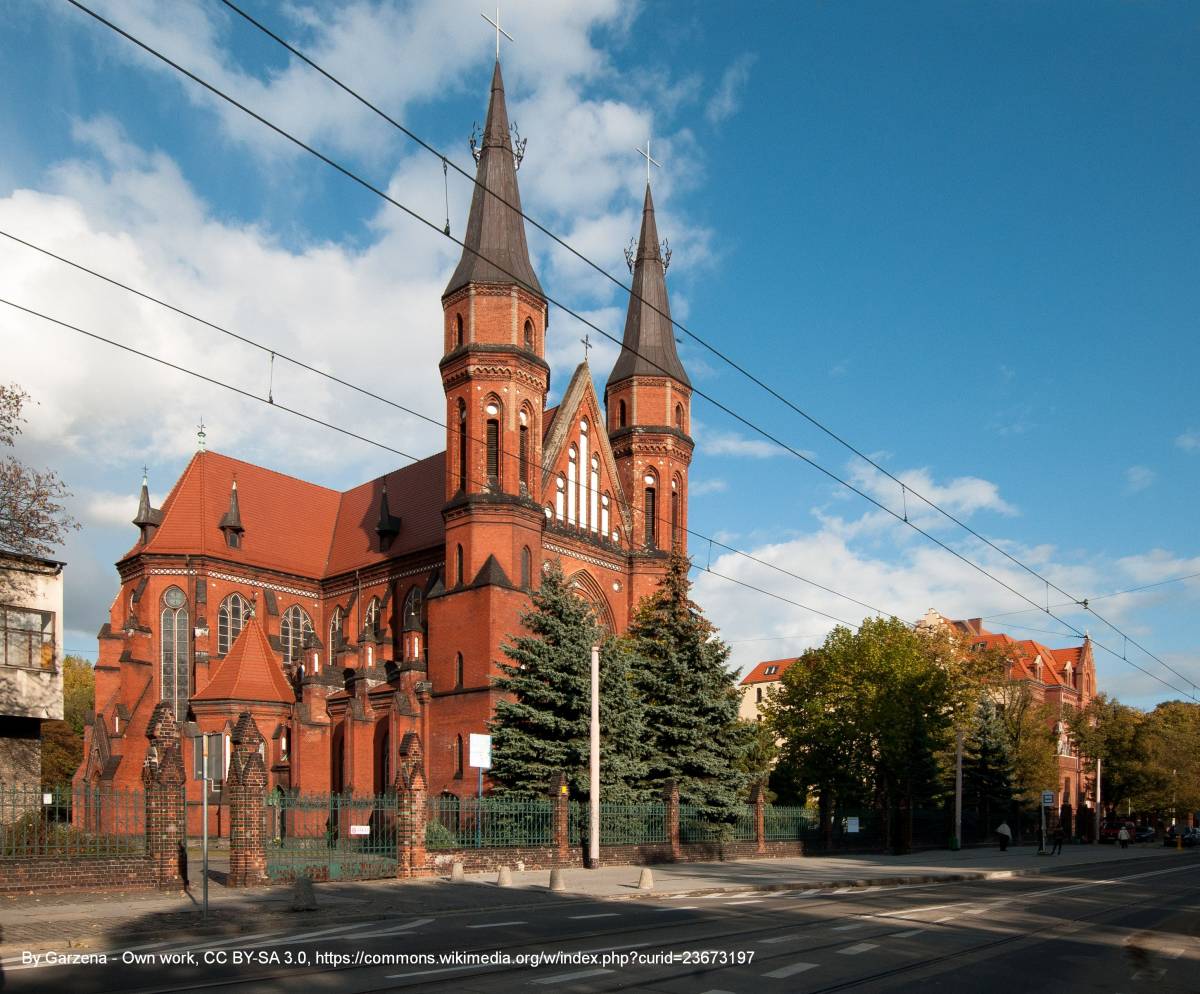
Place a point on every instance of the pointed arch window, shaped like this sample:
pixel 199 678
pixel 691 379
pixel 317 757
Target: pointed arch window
pixel 679 416
pixel 594 494
pixel 296 633
pixel 173 637
pixel 371 617
pixel 675 521
pixel 651 509
pixel 231 616
pixel 458 757
pixel 524 450
pixel 462 445
pixel 493 444
pixel 526 568
pixel 583 473
pixel 572 483
pixel 604 515
pixel 335 628
pixel 412 610
pixel 528 335
pixel 560 492
pixel 458 669
pixel 458 331
pixel 621 414
pixel 458 565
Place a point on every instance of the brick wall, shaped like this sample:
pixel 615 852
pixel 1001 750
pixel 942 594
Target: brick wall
pixel 50 874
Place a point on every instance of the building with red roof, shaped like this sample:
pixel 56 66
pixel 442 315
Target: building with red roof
pixel 351 623
pixel 758 684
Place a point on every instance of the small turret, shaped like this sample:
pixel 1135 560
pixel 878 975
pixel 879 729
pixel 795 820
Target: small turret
pixel 231 523
pixel 388 527
pixel 148 518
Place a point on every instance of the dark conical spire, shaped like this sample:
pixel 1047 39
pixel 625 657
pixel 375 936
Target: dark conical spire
pixel 648 348
pixel 148 518
pixel 495 250
pixel 387 527
pixel 232 521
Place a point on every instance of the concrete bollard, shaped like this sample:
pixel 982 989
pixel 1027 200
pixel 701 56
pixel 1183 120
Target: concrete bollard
pixel 504 877
pixel 556 880
pixel 303 896
pixel 457 875
pixel 646 879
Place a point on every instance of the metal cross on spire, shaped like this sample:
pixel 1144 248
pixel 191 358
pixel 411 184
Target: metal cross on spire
pixel 586 341
pixel 649 160
pixel 499 30
pixel 200 436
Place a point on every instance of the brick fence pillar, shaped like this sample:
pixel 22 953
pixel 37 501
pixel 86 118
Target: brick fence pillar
pixel 246 786
pixel 162 779
pixel 758 797
pixel 671 803
pixel 560 816
pixel 411 859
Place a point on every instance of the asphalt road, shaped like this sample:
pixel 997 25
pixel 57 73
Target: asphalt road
pixel 1119 927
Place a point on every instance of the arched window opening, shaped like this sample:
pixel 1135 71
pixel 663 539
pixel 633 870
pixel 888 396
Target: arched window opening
pixel 651 509
pixel 458 757
pixel 335 628
pixel 674 519
pixel 526 568
pixel 604 516
pixel 173 636
pixel 413 603
pixel 594 495
pixel 462 445
pixel 458 565
pixel 231 616
pixel 493 452
pixel 560 493
pixel 621 414
pixel 371 617
pixel 295 633
pixel 523 451
pixel 572 483
pixel 528 335
pixel 458 331
pixel 458 669
pixel 679 416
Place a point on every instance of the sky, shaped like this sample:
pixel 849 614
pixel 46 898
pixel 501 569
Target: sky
pixel 964 237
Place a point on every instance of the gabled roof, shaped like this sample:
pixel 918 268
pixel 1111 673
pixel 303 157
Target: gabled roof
pixel 760 672
pixel 250 672
pixel 287 521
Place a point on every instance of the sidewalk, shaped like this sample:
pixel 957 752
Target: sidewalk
pixel 28 922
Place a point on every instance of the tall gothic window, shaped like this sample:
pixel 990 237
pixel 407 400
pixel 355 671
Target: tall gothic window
pixel 526 568
pixel 651 508
pixel 458 669
pixel 335 629
pixel 371 618
pixel 493 444
pixel 458 331
pixel 412 609
pixel 458 565
pixel 458 757
pixel 296 633
pixel 674 517
pixel 679 416
pixel 621 414
pixel 528 335
pixel 173 637
pixel 462 445
pixel 231 616
pixel 524 450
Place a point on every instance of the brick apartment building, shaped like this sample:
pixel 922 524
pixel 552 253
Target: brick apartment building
pixel 346 621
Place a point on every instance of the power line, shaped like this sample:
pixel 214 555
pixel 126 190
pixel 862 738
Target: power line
pixel 1100 597
pixel 545 467
pixel 354 177
pixel 325 424
pixel 753 378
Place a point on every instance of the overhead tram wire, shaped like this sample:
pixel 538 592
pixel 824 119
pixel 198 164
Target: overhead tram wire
pixel 1101 597
pixel 370 441
pixel 416 215
pixel 352 434
pixel 616 281
pixel 333 378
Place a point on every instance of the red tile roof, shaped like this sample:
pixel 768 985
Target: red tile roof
pixel 250 672
pixel 760 675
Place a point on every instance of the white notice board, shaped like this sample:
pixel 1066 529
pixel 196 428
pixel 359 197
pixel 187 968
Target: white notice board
pixel 481 751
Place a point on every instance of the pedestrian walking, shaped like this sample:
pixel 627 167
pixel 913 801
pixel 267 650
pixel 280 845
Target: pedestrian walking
pixel 1005 835
pixel 1123 836
pixel 1058 838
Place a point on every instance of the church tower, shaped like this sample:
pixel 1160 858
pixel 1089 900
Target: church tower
pixel 495 378
pixel 648 402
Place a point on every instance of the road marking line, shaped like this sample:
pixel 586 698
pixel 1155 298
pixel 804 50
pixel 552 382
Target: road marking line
pixel 562 978
pixel 407 926
pixel 731 904
pixel 604 914
pixel 291 939
pixel 444 969
pixel 861 947
pixel 497 924
pixel 686 907
pixel 788 971
pixel 847 928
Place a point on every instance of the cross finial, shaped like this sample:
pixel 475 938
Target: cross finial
pixel 499 30
pixel 649 160
pixel 586 340
pixel 145 473
pixel 200 436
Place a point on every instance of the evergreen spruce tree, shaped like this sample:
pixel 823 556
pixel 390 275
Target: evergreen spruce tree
pixel 543 727
pixel 690 699
pixel 988 767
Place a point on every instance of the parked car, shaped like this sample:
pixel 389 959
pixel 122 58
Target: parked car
pixel 1110 829
pixel 1144 833
pixel 1191 836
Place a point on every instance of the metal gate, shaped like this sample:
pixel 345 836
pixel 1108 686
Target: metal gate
pixel 330 836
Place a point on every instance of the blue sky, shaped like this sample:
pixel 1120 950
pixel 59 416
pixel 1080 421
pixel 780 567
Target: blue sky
pixel 963 235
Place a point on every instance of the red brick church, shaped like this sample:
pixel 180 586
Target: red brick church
pixel 346 621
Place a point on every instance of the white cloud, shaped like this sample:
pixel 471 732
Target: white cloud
pixel 730 443
pixel 728 96
pixel 712 485
pixel 1189 441
pixel 1138 478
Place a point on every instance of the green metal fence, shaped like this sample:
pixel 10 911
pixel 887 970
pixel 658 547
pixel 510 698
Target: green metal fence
pixel 490 822
pixel 76 821
pixel 330 836
pixel 694 826
pixel 621 824
pixel 784 823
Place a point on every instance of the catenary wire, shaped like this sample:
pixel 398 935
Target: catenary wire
pixel 755 379
pixel 545 467
pixel 416 215
pixel 1101 597
pixel 325 424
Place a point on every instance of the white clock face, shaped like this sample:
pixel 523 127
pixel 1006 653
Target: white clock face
pixel 174 598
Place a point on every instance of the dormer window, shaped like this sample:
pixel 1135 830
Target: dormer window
pixel 770 671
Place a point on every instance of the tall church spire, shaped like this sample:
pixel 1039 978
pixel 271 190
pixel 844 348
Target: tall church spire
pixel 494 249
pixel 648 348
